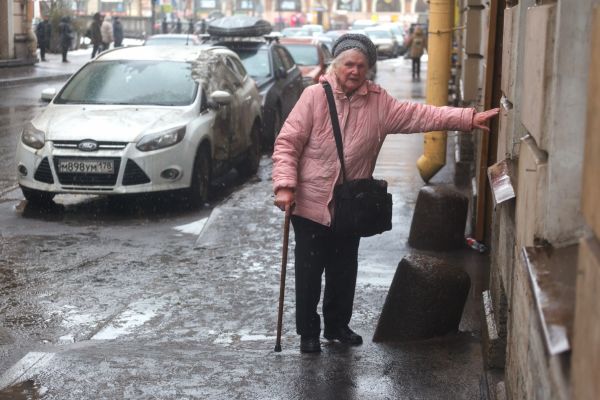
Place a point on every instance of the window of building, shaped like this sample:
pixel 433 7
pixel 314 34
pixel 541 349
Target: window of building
pixel 388 6
pixel 349 5
pixel 288 5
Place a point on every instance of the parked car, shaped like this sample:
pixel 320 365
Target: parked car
pixel 362 24
pixel 398 33
pixel 172 39
pixel 144 119
pixel 384 39
pixel 277 76
pixel 312 56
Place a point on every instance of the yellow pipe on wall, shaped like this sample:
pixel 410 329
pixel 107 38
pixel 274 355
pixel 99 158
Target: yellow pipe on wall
pixel 439 47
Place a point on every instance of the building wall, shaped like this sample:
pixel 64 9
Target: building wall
pixel 17 41
pixel 544 81
pixel 586 341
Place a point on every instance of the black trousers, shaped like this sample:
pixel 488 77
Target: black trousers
pixel 43 51
pixel 318 249
pixel 416 67
pixel 96 49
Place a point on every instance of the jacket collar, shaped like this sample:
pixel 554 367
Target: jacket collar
pixel 363 90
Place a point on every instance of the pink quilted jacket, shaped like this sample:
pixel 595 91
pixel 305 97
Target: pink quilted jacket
pixel 305 157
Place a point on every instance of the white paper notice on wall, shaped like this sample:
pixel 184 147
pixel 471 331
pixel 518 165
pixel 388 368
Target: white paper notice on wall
pixel 499 177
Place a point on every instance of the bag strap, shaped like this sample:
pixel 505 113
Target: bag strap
pixel 336 126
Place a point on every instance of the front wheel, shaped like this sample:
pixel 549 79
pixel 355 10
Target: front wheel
pixel 37 196
pixel 201 175
pixel 249 166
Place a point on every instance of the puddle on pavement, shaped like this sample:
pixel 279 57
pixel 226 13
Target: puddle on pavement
pixel 28 390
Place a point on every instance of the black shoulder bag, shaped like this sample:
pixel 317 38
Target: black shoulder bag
pixel 362 207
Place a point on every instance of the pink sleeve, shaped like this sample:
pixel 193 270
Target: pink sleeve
pixel 291 141
pixel 408 117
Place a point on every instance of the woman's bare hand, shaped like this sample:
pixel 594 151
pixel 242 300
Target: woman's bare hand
pixel 480 119
pixel 284 198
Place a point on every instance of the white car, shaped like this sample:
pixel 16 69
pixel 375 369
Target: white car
pixel 144 119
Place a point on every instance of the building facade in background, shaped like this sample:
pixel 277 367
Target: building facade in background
pixel 17 41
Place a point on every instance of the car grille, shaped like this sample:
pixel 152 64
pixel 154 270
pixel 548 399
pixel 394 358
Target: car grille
pixel 43 172
pixel 88 179
pixel 72 144
pixel 134 175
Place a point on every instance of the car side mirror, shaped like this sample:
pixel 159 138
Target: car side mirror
pixel 48 94
pixel 281 73
pixel 220 97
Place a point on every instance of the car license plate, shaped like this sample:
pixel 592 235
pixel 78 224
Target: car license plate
pixel 73 166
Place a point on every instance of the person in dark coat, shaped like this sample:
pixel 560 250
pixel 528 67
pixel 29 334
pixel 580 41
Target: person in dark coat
pixel 165 25
pixel 190 26
pixel 66 36
pixel 178 26
pixel 43 32
pixel 118 32
pixel 96 35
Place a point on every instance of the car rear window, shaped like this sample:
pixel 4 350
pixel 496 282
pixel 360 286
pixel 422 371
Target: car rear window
pixel 164 83
pixel 256 62
pixel 304 54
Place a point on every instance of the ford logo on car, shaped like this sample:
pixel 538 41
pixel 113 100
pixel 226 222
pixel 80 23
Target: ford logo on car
pixel 88 145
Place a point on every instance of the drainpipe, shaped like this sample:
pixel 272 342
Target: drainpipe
pixel 439 46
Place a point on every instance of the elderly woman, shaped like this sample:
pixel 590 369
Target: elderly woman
pixel 306 168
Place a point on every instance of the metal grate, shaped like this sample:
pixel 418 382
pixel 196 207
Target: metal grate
pixel 72 144
pixel 88 179
pixel 43 172
pixel 134 175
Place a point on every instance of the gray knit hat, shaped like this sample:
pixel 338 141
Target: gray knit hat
pixel 356 41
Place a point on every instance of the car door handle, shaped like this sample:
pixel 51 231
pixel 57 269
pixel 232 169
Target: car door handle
pixel 248 98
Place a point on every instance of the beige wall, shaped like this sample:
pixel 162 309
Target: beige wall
pixel 586 346
pixel 545 80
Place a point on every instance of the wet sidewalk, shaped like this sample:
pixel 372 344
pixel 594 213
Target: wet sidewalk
pixel 51 69
pixel 449 367
pixel 196 315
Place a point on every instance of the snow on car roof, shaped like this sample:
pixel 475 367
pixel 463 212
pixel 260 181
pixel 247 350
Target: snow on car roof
pixel 159 53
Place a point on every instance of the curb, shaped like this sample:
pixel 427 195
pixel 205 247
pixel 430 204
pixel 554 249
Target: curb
pixel 33 79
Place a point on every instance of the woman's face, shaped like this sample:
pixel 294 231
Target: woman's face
pixel 351 70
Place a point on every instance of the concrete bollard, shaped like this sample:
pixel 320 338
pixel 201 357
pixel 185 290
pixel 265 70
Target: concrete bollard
pixel 425 300
pixel 439 219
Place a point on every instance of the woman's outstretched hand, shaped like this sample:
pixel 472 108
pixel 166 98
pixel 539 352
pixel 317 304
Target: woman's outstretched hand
pixel 284 198
pixel 480 119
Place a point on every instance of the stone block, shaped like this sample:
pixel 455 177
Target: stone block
pixel 426 299
pixel 472 38
pixel 586 341
pixel 470 79
pixel 439 219
pixel 508 50
pixel 591 190
pixel 539 47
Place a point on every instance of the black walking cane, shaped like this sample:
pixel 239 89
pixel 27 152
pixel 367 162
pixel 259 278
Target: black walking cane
pixel 286 234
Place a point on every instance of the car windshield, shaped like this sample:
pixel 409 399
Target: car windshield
pixel 304 54
pixel 170 41
pixel 379 34
pixel 256 62
pixel 163 83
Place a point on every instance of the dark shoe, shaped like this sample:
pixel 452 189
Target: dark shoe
pixel 310 344
pixel 343 335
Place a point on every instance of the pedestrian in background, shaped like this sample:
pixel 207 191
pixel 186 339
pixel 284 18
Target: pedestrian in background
pixel 118 32
pixel 416 47
pixel 96 34
pixel 164 25
pixel 306 169
pixel 107 33
pixel 190 26
pixel 178 26
pixel 66 36
pixel 43 31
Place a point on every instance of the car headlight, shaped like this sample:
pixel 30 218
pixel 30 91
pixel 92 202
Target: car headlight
pixel 161 140
pixel 33 137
